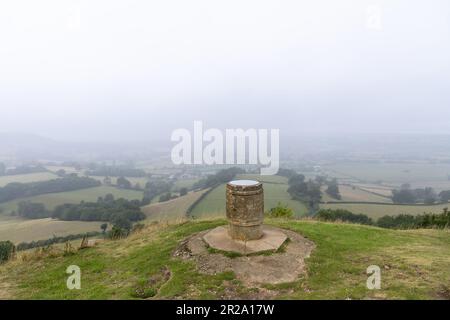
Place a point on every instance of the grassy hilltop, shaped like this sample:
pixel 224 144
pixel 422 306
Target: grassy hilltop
pixel 414 264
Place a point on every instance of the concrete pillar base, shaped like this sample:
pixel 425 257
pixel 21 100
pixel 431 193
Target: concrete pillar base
pixel 245 233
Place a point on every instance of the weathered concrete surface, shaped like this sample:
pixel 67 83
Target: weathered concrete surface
pixel 245 209
pixel 254 270
pixel 220 239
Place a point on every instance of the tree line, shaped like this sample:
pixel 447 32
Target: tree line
pixel 402 221
pixel 105 209
pixel 407 195
pixel 24 169
pixel 17 190
pixel 309 191
pixel 154 188
pixel 222 176
pixel 115 171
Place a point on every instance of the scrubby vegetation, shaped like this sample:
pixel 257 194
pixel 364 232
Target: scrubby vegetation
pixel 403 221
pixel 426 220
pixel 6 250
pixel 281 211
pixel 343 215
pixel 54 240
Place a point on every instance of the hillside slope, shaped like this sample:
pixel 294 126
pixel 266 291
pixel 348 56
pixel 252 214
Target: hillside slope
pixel 414 265
pixel 172 210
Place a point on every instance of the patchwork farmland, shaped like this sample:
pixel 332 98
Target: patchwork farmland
pixel 275 191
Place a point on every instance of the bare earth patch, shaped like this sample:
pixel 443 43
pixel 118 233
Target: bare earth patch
pixel 253 270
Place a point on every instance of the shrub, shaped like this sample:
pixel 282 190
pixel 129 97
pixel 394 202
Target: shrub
pixel 6 250
pixel 281 211
pixel 343 215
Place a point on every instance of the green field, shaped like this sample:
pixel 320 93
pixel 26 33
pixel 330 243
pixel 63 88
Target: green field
pixel 382 190
pixel 414 265
pixel 213 204
pixel 171 210
pixel 51 200
pixel 68 170
pixel 184 183
pixel 349 193
pixel 376 211
pixel 394 173
pixel 25 178
pixel 134 180
pixel 20 230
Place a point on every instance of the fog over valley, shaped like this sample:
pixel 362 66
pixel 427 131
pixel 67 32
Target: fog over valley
pixel 135 71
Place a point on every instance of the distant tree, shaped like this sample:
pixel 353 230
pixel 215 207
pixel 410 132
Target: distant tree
pixel 333 189
pixel 31 210
pixel 321 180
pixel 154 188
pixel 165 197
pixel 286 173
pixel 2 169
pixel 296 179
pixel 403 196
pixel 183 191
pixel 429 196
pixel 122 223
pixel 405 186
pixel 61 172
pixel 429 200
pixel 107 181
pixel 407 195
pixel 313 191
pixel 109 197
pixel 104 226
pixel 6 250
pixel 444 196
pixel 117 233
pixel 305 191
pixel 122 182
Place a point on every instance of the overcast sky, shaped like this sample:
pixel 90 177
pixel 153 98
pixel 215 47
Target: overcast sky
pixel 108 69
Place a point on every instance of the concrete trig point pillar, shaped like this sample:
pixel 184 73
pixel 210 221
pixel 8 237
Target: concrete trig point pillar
pixel 245 233
pixel 245 209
